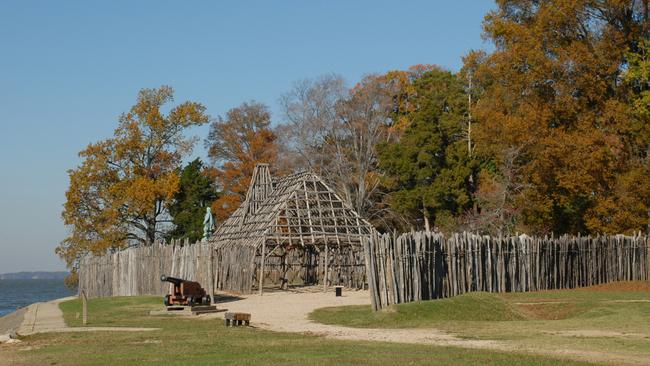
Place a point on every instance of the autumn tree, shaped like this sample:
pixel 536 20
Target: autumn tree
pixel 428 169
pixel 119 195
pixel 552 94
pixel 627 207
pixel 236 143
pixel 196 191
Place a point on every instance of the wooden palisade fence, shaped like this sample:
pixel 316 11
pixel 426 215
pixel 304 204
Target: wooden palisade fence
pixel 136 271
pixel 424 265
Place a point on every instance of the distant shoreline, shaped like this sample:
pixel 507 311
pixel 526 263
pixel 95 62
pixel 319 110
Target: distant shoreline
pixel 20 293
pixel 34 275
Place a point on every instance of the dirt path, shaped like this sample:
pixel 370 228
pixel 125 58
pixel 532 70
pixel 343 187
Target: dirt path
pixel 288 312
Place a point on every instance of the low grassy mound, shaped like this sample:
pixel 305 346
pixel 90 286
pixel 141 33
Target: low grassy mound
pixel 615 304
pixel 608 320
pixel 479 306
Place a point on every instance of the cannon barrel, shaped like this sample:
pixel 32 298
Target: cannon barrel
pixel 174 280
pixel 184 292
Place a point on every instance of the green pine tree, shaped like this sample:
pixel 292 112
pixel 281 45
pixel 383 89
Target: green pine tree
pixel 197 191
pixel 428 170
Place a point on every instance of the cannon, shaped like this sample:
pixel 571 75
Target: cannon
pixel 185 293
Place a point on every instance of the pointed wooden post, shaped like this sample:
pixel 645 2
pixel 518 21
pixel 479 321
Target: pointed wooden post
pixel 261 273
pixel 326 269
pixel 211 272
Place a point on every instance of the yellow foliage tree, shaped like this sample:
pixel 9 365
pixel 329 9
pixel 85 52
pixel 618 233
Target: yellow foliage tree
pixel 118 195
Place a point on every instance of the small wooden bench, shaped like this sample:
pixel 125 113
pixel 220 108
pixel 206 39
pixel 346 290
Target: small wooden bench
pixel 235 319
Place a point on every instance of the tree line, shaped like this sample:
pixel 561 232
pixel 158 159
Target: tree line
pixel 547 133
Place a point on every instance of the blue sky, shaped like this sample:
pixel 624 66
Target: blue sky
pixel 69 68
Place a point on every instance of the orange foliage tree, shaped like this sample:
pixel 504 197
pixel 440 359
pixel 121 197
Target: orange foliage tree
pixel 119 194
pixel 553 109
pixel 236 144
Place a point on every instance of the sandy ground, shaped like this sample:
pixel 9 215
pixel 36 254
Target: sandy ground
pixel 288 312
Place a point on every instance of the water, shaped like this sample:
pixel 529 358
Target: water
pixel 16 294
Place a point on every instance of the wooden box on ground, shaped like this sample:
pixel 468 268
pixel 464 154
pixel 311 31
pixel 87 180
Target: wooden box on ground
pixel 235 319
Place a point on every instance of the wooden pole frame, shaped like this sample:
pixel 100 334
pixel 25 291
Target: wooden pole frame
pixel 298 209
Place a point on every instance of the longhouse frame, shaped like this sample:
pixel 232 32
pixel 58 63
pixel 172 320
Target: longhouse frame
pixel 289 231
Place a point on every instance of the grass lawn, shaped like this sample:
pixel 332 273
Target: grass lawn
pixel 192 341
pixel 612 318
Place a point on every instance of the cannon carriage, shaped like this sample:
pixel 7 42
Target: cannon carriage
pixel 185 293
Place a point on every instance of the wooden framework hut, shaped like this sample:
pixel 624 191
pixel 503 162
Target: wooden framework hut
pixel 293 230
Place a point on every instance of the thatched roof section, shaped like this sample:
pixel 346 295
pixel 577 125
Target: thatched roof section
pixel 297 209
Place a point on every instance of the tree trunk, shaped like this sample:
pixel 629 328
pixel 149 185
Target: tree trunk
pixel 151 231
pixel 425 214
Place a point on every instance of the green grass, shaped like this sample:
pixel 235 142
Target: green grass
pixel 601 308
pixel 192 341
pixel 114 312
pixel 423 314
pixel 586 320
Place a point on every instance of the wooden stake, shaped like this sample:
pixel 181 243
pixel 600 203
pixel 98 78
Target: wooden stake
pixel 261 273
pixel 326 269
pixel 84 308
